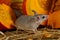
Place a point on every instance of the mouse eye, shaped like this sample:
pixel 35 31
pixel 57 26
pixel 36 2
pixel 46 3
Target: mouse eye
pixel 43 17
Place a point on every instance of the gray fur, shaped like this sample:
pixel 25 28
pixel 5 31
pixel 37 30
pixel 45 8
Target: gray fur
pixel 25 22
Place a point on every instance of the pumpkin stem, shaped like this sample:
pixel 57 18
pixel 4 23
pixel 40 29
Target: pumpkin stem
pixel 35 13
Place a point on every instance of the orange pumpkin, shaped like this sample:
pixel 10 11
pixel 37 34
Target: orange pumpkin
pixel 26 7
pixel 8 2
pixel 37 5
pixel 54 19
pixel 7 17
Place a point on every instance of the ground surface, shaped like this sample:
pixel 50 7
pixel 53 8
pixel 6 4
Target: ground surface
pixel 43 34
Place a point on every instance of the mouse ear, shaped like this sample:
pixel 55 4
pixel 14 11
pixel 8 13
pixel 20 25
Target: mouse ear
pixel 35 13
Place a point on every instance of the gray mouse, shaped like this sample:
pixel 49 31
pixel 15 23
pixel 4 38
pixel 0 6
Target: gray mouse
pixel 26 22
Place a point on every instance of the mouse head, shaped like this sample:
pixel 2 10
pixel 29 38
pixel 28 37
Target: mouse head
pixel 40 17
